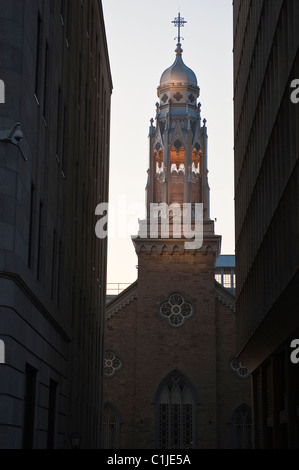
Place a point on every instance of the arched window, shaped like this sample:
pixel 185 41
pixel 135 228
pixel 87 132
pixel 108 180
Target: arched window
pixel 242 425
pixel 176 410
pixel 111 428
pixel 178 171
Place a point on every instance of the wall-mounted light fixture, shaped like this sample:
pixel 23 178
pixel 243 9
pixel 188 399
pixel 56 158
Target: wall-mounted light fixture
pixel 13 136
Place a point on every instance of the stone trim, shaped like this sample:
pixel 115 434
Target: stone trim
pixel 171 246
pixel 122 300
pixel 225 297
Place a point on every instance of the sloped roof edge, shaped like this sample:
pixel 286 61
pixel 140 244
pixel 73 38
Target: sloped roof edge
pixel 224 296
pixel 121 300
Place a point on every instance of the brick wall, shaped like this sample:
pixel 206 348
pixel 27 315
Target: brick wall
pixel 150 349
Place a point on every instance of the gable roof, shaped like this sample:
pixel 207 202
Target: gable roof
pixel 130 294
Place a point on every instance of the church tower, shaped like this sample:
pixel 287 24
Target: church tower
pixel 178 160
pixel 170 337
pixel 178 141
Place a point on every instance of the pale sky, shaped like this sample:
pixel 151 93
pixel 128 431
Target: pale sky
pixel 141 46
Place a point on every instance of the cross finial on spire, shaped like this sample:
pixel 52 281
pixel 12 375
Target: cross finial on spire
pixel 179 23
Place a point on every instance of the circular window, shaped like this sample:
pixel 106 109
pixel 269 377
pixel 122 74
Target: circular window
pixel 112 364
pixel 239 369
pixel 176 310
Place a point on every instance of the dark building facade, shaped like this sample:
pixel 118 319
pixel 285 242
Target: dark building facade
pixel 266 62
pixel 55 67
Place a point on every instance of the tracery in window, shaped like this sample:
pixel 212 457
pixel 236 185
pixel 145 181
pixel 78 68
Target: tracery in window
pixel 176 414
pixel 111 428
pixel 243 427
pixel 239 369
pixel 176 310
pixel 112 364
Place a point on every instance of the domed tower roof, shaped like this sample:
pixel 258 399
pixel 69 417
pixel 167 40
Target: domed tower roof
pixel 178 88
pixel 178 73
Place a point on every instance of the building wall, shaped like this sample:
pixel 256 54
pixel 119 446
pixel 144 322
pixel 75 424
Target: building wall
pixel 55 66
pixel 266 169
pixel 266 61
pixel 276 400
pixel 150 349
pixel 119 390
pixel 185 348
pixel 233 390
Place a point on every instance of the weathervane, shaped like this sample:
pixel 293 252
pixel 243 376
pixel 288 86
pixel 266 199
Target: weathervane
pixel 179 23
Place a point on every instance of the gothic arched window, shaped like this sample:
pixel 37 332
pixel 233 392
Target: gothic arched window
pixel 176 409
pixel 242 425
pixel 111 428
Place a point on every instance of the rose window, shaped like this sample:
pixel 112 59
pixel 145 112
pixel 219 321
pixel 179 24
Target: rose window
pixel 112 364
pixel 238 368
pixel 176 310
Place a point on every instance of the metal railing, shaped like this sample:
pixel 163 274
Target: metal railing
pixel 116 288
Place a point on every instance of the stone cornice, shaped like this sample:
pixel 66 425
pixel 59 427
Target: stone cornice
pixel 211 243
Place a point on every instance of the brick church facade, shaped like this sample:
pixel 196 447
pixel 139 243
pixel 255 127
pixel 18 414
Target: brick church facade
pixel 172 380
